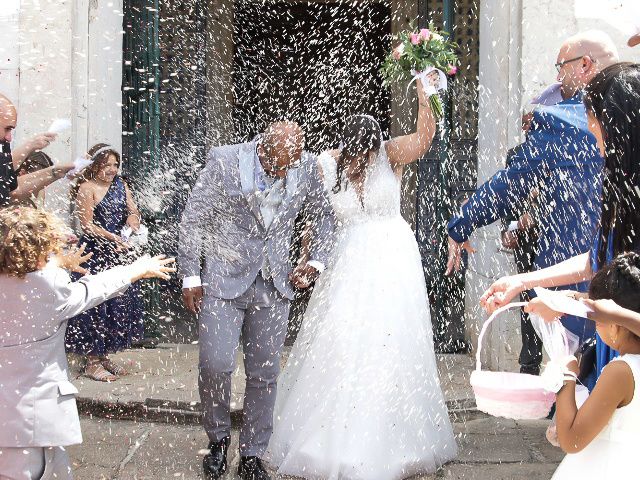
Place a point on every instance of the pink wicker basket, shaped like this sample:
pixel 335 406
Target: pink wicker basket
pixel 505 394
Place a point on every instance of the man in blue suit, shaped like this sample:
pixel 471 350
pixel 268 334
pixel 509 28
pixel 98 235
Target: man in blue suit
pixel 559 158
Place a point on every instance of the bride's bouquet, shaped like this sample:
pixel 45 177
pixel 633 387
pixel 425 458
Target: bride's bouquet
pixel 426 55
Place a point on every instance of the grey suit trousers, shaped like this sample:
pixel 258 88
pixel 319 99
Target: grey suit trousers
pixel 260 315
pixel 34 463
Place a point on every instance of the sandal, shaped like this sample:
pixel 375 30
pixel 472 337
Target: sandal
pixel 95 371
pixel 113 367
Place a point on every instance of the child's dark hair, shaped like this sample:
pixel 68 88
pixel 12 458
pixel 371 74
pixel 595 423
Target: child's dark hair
pixel 619 281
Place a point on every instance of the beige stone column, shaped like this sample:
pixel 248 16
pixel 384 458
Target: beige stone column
pixel 104 66
pixel 45 93
pixel 498 127
pixel 10 49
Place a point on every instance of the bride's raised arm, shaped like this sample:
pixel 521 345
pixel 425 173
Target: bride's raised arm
pixel 409 148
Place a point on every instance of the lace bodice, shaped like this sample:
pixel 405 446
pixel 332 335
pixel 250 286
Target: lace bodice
pixel 381 192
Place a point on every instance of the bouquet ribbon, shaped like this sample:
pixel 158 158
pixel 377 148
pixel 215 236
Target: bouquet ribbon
pixel 429 89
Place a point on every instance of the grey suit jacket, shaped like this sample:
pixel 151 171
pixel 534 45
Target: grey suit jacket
pixel 222 223
pixel 37 400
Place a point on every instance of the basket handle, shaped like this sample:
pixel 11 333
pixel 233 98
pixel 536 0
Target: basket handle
pixel 504 308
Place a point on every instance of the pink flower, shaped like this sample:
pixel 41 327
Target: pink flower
pixel 452 70
pixel 425 33
pixel 416 38
pixel 398 51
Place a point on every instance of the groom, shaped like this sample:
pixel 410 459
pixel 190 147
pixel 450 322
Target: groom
pixel 239 219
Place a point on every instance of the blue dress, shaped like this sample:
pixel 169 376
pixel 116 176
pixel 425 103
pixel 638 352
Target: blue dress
pixel 604 353
pixel 117 323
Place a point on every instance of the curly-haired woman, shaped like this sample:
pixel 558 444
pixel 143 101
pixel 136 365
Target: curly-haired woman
pixel 104 206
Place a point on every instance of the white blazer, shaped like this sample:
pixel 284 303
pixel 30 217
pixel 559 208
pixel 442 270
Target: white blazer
pixel 37 400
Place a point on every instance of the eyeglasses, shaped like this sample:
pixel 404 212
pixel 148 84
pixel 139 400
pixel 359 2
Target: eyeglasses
pixel 559 65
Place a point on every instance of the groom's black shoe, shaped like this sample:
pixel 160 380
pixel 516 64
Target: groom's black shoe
pixel 251 468
pixel 215 462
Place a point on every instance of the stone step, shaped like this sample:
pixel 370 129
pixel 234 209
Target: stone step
pixel 163 386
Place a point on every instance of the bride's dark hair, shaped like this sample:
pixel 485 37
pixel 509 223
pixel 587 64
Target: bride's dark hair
pixel 361 136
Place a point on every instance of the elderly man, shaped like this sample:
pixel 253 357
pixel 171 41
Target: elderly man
pixel 239 219
pixel 561 159
pixel 21 188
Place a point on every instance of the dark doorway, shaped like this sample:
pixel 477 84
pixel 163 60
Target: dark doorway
pixel 314 63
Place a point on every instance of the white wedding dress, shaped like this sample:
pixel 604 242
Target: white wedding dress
pixel 360 397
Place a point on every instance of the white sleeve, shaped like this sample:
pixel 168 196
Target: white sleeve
pixel 91 290
pixel 318 265
pixel 192 282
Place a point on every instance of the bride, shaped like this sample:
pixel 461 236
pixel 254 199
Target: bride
pixel 360 397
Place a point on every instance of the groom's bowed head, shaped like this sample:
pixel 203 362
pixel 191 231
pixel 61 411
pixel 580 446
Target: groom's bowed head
pixel 280 147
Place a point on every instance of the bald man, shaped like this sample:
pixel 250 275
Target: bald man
pixel 21 188
pixel 560 159
pixel 239 219
pixel 581 57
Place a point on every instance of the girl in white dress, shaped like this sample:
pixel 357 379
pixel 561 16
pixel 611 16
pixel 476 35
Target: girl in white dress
pixel 602 437
pixel 360 396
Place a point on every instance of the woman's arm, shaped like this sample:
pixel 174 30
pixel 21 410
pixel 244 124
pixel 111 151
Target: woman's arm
pixel 577 428
pixel 409 148
pixel 32 183
pixel 37 142
pixel 85 203
pixel 574 270
pixel 133 218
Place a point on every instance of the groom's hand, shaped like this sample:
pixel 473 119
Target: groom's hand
pixel 455 255
pixel 303 276
pixel 192 298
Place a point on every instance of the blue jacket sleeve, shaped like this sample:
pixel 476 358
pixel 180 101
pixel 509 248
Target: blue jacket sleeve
pixel 556 140
pixel 504 194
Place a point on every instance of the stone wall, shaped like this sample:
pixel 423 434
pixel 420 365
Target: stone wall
pixel 499 105
pixel 62 59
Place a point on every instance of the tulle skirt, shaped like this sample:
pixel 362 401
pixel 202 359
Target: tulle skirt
pixel 360 396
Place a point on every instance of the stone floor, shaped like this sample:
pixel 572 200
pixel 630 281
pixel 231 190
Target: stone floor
pixel 165 379
pixel 489 449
